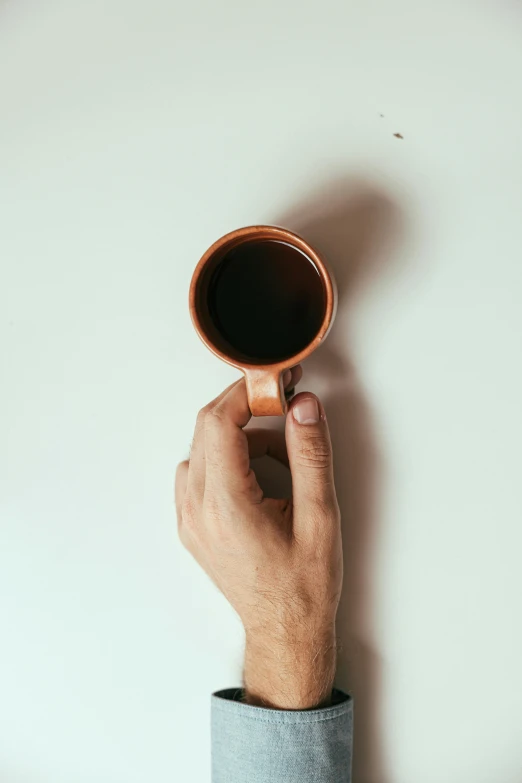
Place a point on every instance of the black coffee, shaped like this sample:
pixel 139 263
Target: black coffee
pixel 267 300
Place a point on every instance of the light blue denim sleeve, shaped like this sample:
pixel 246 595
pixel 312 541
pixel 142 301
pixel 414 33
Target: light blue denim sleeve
pixel 257 745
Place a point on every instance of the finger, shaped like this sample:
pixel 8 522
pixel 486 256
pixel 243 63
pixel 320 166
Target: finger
pixel 180 488
pixel 196 479
pixel 297 374
pixel 226 446
pixel 290 380
pixel 270 443
pixel 310 456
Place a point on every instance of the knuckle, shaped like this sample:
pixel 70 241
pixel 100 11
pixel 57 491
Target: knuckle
pixel 214 415
pixel 319 512
pixel 314 452
pixel 215 521
pixel 202 415
pixel 326 508
pixel 219 525
pixel 221 536
pixel 188 513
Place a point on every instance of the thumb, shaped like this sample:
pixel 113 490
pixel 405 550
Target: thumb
pixel 310 455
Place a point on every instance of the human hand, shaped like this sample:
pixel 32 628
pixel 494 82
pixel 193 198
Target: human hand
pixel 278 562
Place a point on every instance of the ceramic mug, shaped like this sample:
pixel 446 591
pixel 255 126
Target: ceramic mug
pixel 266 396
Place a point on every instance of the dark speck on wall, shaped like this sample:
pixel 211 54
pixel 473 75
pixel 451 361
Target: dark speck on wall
pixel 398 135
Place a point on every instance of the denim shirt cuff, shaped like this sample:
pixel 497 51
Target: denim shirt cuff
pixel 280 746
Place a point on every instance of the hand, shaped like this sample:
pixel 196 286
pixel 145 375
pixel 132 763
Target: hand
pixel 278 562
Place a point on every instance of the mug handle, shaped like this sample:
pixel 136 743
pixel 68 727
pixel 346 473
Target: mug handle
pixel 266 396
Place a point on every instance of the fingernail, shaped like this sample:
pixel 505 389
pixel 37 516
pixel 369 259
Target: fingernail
pixel 287 377
pixel 306 411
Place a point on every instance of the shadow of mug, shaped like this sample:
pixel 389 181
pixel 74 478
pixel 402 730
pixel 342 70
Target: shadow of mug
pixel 356 227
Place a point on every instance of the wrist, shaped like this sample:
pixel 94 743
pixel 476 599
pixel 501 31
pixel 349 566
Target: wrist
pixel 290 674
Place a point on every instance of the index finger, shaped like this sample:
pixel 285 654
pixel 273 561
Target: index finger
pixel 197 469
pixel 226 445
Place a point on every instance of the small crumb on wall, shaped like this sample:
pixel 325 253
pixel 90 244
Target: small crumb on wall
pixel 398 135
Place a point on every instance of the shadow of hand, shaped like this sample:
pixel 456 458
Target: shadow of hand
pixel 355 226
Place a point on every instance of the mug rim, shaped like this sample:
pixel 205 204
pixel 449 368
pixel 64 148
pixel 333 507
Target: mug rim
pixel 293 239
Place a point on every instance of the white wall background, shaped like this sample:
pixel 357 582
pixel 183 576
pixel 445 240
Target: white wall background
pixel 132 135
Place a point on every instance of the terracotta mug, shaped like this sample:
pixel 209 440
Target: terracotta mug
pixel 266 396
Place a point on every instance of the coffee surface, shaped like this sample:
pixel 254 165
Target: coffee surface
pixel 267 300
